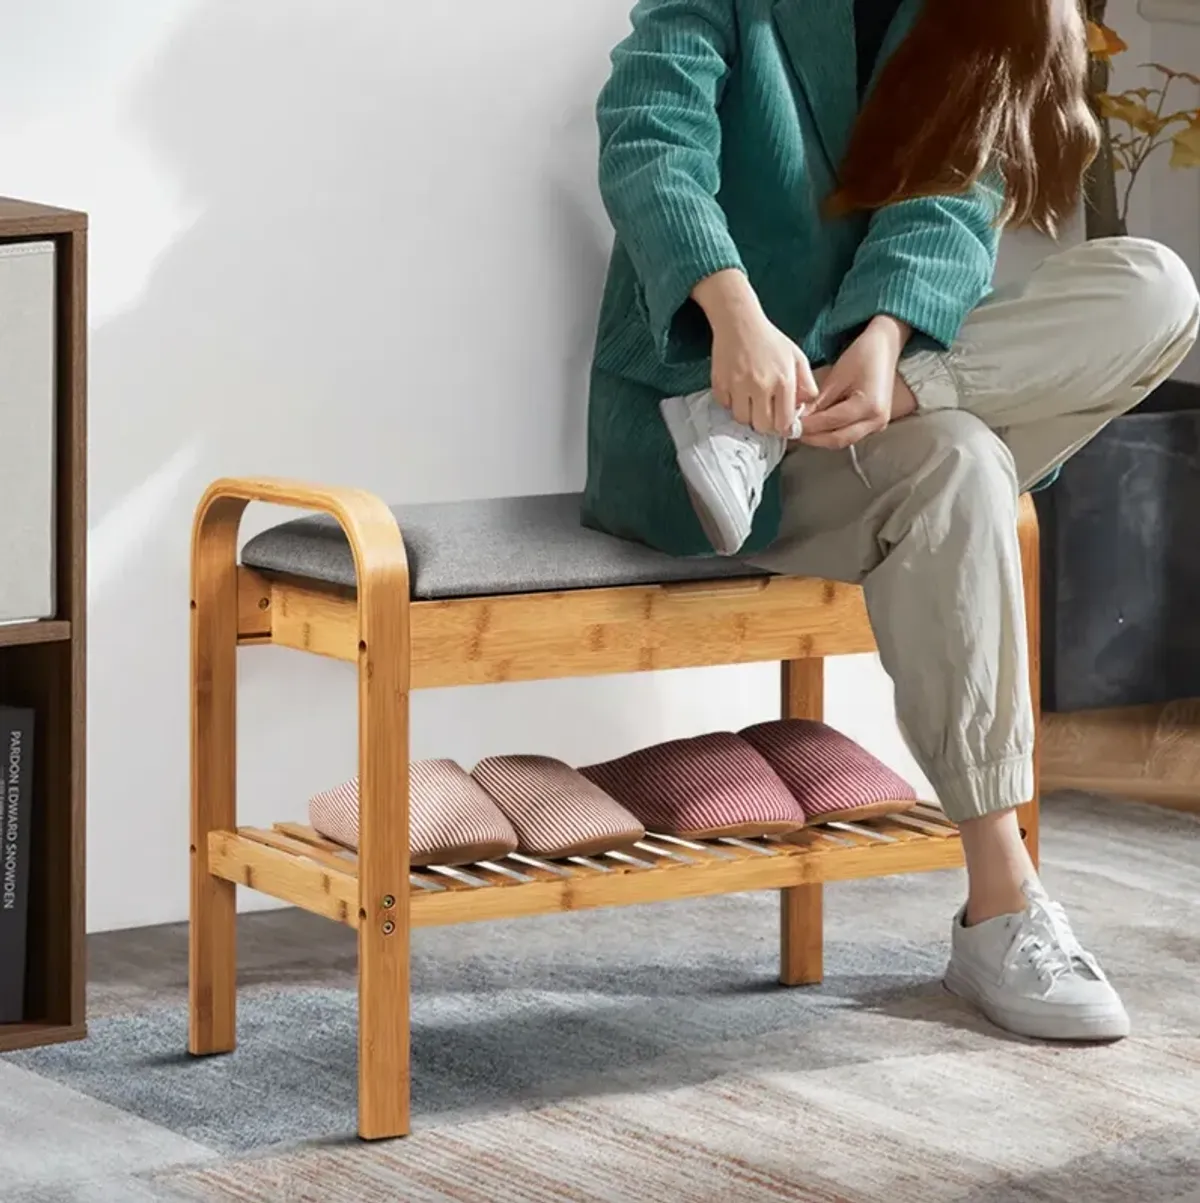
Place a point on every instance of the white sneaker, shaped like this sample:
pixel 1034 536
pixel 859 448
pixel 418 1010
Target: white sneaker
pixel 724 464
pixel 1029 974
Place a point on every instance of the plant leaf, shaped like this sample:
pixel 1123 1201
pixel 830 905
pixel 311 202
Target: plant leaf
pixel 1103 42
pixel 1127 108
pixel 1186 150
pixel 1188 115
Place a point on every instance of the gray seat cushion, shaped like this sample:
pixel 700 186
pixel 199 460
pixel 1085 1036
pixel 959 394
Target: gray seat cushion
pixel 485 548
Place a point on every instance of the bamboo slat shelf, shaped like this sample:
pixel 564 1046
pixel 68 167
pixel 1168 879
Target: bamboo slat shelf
pixel 293 862
pixel 399 645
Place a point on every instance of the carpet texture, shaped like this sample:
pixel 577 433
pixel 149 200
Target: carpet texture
pixel 647 1054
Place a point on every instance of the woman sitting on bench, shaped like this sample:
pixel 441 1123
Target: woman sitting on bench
pixel 800 361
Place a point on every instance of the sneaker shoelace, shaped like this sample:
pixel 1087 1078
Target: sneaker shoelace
pixel 750 456
pixel 1045 942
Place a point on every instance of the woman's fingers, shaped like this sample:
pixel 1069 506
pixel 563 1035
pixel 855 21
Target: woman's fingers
pixel 768 400
pixel 759 374
pixel 763 408
pixel 784 404
pixel 754 405
pixel 837 386
pixel 806 384
pixel 846 411
pixel 845 423
pixel 740 406
pixel 767 406
pixel 847 436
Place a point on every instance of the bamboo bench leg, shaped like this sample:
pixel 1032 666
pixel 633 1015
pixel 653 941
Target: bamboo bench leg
pixel 802 920
pixel 802 935
pixel 212 954
pixel 1029 815
pixel 383 867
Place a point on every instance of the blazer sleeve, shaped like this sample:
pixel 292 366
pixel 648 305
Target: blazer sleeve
pixel 928 262
pixel 660 151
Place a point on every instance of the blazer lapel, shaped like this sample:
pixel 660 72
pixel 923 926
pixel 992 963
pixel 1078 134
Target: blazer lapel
pixel 818 36
pixel 906 16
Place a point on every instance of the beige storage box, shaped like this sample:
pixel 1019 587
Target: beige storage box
pixel 26 430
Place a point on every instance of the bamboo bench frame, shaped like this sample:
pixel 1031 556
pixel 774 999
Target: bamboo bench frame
pixel 400 645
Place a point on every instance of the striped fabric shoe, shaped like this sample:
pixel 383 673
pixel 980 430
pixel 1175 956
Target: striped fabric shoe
pixel 451 820
pixel 832 777
pixel 554 810
pixel 705 788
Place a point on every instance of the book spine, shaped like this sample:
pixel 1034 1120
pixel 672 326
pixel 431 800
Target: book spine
pixel 16 829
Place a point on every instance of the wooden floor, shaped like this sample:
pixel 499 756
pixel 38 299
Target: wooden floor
pixel 1147 753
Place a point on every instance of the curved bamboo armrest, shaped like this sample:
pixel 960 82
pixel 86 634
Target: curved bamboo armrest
pixel 375 540
pixel 384 672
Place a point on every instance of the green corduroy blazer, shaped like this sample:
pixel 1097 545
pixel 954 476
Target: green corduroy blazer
pixel 721 130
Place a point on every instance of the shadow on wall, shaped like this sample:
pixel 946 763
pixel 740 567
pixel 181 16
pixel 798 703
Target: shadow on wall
pixel 391 281
pixel 375 249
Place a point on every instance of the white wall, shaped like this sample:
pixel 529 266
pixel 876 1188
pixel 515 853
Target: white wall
pixel 1166 202
pixel 342 242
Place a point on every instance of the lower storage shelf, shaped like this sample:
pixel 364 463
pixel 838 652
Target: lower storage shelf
pixel 14 1036
pixel 293 863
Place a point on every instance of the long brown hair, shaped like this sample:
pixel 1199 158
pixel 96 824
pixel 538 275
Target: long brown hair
pixel 979 86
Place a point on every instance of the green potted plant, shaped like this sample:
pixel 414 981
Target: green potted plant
pixel 1120 578
pixel 1136 125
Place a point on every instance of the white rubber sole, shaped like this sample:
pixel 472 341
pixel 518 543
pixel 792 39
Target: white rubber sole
pixel 1099 1024
pixel 726 522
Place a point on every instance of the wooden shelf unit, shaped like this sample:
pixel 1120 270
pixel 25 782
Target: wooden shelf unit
pixel 42 664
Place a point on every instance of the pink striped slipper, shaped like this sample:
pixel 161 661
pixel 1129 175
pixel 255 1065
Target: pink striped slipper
pixel 555 811
pixel 451 820
pixel 832 777
pixel 716 785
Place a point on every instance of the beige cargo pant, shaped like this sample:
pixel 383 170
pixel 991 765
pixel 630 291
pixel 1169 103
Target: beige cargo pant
pixel 924 513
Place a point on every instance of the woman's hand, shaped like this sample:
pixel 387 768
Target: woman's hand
pixel 861 393
pixel 758 373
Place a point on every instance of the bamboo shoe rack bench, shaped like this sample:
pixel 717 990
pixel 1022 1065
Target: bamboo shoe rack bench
pixel 342 588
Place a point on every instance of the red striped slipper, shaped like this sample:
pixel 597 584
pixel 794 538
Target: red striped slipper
pixel 451 820
pixel 555 811
pixel 705 788
pixel 832 777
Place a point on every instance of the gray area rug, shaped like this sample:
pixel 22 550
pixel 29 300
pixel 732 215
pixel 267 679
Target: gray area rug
pixel 647 1054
